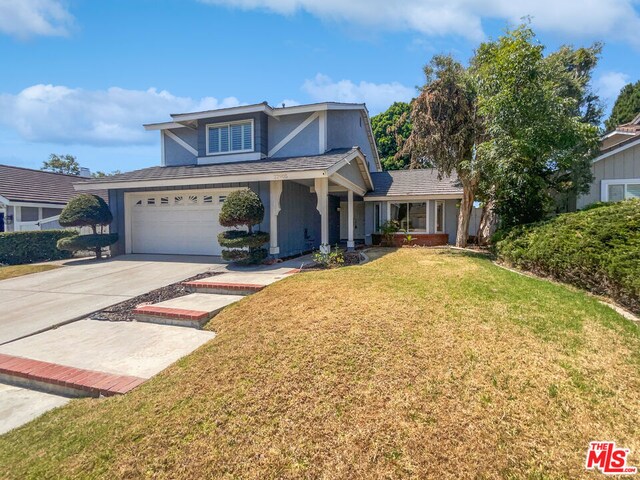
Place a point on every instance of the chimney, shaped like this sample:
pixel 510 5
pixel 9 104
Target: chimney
pixel 84 172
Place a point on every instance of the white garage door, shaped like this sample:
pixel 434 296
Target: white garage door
pixel 176 222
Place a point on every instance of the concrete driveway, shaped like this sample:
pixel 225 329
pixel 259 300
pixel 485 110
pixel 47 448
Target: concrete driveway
pixel 33 303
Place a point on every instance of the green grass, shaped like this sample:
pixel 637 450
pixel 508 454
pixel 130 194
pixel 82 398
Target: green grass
pixel 419 364
pixel 19 270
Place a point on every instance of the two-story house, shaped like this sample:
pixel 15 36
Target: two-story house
pixel 315 167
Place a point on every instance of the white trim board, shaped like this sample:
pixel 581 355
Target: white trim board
pixel 408 198
pixel 616 150
pixel 180 142
pixel 604 186
pixel 293 134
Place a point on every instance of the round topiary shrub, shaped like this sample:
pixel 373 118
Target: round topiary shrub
pixel 87 210
pixel 243 208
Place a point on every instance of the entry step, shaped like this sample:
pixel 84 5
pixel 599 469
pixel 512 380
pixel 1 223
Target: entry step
pixel 62 379
pixel 192 310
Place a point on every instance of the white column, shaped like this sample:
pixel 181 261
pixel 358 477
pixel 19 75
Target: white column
pixel 275 191
pixel 429 228
pixel 322 192
pixel 350 242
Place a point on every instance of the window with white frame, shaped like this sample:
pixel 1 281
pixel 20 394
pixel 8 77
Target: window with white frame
pixel 411 216
pixel 617 190
pixel 234 137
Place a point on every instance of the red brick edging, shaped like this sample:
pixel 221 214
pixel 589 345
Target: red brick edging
pixel 90 381
pixel 225 286
pixel 168 312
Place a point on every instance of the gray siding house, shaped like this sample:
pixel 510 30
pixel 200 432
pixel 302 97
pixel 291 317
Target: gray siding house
pixel 315 167
pixel 616 170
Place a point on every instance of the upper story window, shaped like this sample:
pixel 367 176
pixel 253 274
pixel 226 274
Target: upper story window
pixel 233 137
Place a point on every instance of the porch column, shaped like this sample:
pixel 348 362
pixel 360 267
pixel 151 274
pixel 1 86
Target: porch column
pixel 275 191
pixel 350 243
pixel 322 192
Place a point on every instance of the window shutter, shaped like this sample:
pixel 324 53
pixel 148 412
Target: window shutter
pixel 224 139
pixel 246 137
pixel 236 137
pixel 214 140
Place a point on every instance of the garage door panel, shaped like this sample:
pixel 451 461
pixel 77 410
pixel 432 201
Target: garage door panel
pixel 160 225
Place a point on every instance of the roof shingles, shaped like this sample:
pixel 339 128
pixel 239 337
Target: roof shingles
pixel 413 183
pixel 19 184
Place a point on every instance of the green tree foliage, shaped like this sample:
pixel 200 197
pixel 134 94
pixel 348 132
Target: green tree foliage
pixel 62 164
pixel 87 210
pixel 627 106
pixel 100 174
pixel 387 127
pixel 244 209
pixel 540 119
pixel 446 129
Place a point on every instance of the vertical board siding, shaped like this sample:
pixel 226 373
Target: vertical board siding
pixel 297 214
pixel 176 154
pixel 346 129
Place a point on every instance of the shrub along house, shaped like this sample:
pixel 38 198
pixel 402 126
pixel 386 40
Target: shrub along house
pixel 315 168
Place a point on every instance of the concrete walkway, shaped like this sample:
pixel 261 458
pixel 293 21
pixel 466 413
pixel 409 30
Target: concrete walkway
pixel 32 303
pixel 132 349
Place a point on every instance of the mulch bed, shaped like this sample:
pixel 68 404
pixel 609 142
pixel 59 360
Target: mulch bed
pixel 122 312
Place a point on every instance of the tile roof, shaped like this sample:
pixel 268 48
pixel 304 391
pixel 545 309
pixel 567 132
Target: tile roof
pixel 19 184
pixel 269 165
pixel 413 182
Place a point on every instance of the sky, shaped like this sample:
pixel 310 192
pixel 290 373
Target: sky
pixel 82 76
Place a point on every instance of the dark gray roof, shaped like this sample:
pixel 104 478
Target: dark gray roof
pixel 19 184
pixel 270 165
pixel 413 182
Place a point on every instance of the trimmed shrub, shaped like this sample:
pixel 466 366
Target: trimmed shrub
pixel 87 210
pixel 28 247
pixel 243 208
pixel 87 242
pixel 597 249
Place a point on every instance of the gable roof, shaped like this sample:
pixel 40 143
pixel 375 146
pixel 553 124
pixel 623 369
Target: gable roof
pixel 409 183
pixel 18 184
pixel 224 172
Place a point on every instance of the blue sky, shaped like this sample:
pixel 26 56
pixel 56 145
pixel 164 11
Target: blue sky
pixel 81 76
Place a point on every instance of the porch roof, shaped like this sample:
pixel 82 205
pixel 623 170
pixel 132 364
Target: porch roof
pixel 247 171
pixel 397 184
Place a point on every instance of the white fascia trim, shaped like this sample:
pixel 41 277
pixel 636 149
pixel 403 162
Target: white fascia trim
pixel 617 150
pixel 31 204
pixel 180 142
pixel 316 107
pixel 293 134
pixel 177 182
pixel 162 126
pixel 186 117
pixel 410 198
pixel 357 154
pixel 604 186
pixel 615 132
pixel 348 184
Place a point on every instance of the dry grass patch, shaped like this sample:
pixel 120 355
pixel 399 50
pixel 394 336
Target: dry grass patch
pixel 20 270
pixel 419 364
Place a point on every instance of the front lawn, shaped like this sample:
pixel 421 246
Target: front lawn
pixel 19 270
pixel 419 364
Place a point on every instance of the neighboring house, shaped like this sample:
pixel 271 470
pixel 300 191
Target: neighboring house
pixel 617 169
pixel 315 167
pixel 32 199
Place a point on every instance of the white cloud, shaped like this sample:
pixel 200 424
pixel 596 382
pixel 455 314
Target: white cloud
pixel 606 19
pixel 609 84
pixel 28 18
pixel 377 96
pixel 59 114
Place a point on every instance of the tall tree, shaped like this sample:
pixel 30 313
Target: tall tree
pixel 540 117
pixel 62 164
pixel 390 128
pixel 627 106
pixel 446 128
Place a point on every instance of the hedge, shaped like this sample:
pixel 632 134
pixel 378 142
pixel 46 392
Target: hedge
pixel 28 247
pixel 87 242
pixel 597 249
